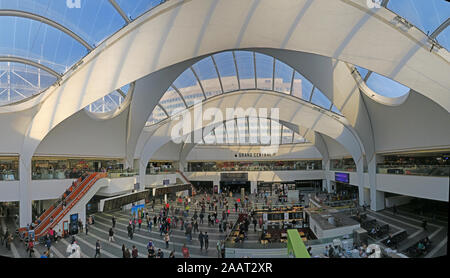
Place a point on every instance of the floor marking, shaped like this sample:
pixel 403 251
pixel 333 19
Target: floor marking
pixel 93 247
pixel 133 243
pixel 437 248
pixel 411 219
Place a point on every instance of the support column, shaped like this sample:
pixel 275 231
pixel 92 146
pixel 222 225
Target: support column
pixel 363 197
pixel 327 181
pixel 376 197
pixel 25 201
pixel 253 186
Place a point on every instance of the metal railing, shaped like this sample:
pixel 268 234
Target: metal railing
pixel 414 170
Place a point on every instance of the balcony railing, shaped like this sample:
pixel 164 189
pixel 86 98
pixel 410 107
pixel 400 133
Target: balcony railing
pixel 9 175
pixel 414 170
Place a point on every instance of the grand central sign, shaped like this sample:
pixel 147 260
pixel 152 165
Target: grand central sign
pixel 253 155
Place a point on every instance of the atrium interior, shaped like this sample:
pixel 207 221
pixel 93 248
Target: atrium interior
pixel 259 128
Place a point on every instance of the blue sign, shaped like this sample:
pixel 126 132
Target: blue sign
pixel 74 218
pixel 342 177
pixel 137 210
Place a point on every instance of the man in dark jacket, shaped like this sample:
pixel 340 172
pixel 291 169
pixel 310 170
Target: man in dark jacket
pixel 201 240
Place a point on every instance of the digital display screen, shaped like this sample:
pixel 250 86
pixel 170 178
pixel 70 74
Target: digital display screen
pixel 342 177
pixel 117 203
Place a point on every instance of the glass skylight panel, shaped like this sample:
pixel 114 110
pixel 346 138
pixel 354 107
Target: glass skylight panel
pixel 444 38
pixel 94 21
pixel 157 116
pixel 107 103
pixel 135 8
pixel 40 43
pixel 320 99
pixel 335 110
pixel 283 77
pixel 242 130
pixel 227 71
pixel 362 71
pixel 246 69
pixel 253 130
pixel 264 131
pixel 301 88
pixel 189 88
pixel 385 86
pixel 264 71
pixel 425 15
pixel 19 81
pixel 207 74
pixel 172 102
pixel 298 139
pixel 286 136
pixel 210 138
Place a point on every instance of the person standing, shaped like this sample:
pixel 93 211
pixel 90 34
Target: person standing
pixel 166 239
pixel 97 249
pixel 206 241
pixel 111 235
pixel 201 240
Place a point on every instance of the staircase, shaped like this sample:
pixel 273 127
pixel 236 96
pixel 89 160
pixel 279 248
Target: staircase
pixel 186 181
pixel 57 212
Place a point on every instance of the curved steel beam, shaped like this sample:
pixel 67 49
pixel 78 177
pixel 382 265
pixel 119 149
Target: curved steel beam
pixel 48 22
pixel 120 11
pixel 440 29
pixel 30 63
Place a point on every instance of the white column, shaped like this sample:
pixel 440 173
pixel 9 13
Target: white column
pixel 253 186
pixel 327 181
pixel 25 208
pixel 363 197
pixel 376 197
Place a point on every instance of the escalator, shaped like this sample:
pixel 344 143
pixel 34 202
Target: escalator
pixel 54 215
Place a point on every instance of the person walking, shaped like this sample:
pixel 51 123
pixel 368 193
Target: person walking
pixel 394 209
pixel 424 225
pixel 139 223
pixel 111 235
pixel 206 241
pixel 134 252
pixel 123 251
pixel 87 228
pixel 130 231
pixel 97 249
pixel 30 247
pixel 166 239
pixel 185 252
pixel 218 247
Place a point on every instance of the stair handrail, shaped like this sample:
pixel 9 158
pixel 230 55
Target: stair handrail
pixel 77 187
pixel 37 229
pixel 51 208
